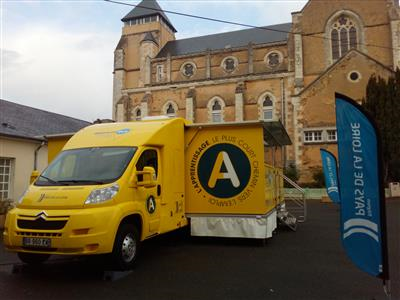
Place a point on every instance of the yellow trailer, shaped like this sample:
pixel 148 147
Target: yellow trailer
pixel 230 190
pixel 114 185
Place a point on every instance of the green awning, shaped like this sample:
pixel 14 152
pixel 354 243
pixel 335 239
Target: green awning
pixel 275 134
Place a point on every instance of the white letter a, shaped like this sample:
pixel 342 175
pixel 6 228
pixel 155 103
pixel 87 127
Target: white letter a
pixel 223 158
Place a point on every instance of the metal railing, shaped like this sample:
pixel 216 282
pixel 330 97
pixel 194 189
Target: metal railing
pixel 295 201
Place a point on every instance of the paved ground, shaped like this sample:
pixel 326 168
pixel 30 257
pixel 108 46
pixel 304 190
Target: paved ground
pixel 307 264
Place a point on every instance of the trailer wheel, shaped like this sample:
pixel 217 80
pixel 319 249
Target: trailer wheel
pixel 126 247
pixel 33 258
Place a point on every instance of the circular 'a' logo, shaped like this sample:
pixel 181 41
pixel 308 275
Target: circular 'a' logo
pixel 151 204
pixel 224 170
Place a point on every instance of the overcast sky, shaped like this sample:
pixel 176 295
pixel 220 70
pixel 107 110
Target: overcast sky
pixel 58 55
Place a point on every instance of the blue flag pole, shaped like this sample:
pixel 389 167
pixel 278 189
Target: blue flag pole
pixel 363 214
pixel 329 166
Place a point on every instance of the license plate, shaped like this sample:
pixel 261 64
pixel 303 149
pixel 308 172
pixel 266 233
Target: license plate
pixel 36 242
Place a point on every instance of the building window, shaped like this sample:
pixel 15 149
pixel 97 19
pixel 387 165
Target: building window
pixel 273 59
pixel 216 110
pixel 313 136
pixel 332 137
pixel 229 64
pixel 170 111
pixel 344 36
pixel 160 72
pixel 188 69
pixel 354 76
pixel 170 108
pixel 266 106
pixel 320 135
pixel 137 114
pixel 5 178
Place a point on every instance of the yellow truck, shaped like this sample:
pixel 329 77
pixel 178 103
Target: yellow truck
pixel 114 185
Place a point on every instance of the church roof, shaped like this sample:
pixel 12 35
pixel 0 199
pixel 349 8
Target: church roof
pixel 27 122
pixel 232 39
pixel 147 8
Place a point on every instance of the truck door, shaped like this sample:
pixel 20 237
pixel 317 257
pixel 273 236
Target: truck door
pixel 151 196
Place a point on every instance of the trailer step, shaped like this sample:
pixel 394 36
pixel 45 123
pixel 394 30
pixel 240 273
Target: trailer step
pixel 286 218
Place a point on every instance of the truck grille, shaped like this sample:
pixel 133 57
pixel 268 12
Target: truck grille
pixel 38 234
pixel 41 224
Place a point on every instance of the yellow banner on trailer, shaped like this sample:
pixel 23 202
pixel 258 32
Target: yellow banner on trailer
pixel 225 170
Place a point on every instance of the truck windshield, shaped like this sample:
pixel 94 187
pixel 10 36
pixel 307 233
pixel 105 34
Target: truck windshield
pixel 87 166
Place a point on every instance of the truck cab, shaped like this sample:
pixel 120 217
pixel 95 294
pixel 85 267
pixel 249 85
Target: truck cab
pixel 105 192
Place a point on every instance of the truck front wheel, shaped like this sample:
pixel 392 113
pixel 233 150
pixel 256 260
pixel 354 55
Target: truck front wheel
pixel 33 258
pixel 126 247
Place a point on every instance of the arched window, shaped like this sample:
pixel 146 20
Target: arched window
pixel 216 110
pixel 266 103
pixel 137 114
pixel 170 109
pixel 344 35
pixel 335 44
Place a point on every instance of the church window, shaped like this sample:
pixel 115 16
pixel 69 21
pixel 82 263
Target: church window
pixel 344 43
pixel 216 110
pixel 170 108
pixel 335 44
pixel 353 37
pixel 273 59
pixel 188 69
pixel 266 106
pixel 344 36
pixel 160 73
pixel 354 76
pixel 137 114
pixel 229 64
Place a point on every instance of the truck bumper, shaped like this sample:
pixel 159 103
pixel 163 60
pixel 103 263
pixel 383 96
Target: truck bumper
pixel 71 232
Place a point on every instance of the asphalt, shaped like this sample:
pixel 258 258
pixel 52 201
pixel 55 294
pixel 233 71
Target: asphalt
pixel 307 264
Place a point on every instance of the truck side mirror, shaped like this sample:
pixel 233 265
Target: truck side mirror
pixel 148 177
pixel 35 174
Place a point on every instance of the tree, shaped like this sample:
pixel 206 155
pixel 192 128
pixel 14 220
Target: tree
pixel 383 103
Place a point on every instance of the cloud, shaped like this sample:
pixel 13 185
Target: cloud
pixel 68 72
pixel 11 60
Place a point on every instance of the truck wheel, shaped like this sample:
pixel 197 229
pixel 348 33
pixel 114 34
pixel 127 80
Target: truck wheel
pixel 33 258
pixel 126 247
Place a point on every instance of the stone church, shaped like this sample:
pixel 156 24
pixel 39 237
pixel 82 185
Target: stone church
pixel 286 71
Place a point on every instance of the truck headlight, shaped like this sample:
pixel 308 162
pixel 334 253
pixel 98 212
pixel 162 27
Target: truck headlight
pixel 103 194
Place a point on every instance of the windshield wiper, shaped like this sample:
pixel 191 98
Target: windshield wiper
pixel 82 181
pixel 52 180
